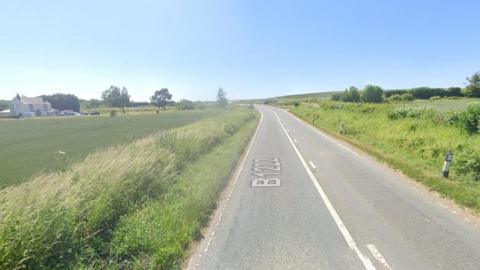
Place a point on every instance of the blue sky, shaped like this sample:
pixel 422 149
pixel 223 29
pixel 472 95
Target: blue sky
pixel 251 48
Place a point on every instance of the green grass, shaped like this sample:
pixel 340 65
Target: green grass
pixel 290 99
pixel 318 95
pixel 28 146
pixel 139 203
pixel 416 145
pixel 443 104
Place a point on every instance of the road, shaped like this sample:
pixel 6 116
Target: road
pixel 302 200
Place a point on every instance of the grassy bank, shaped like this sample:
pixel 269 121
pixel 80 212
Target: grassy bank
pixel 30 146
pixel 414 141
pixel 92 214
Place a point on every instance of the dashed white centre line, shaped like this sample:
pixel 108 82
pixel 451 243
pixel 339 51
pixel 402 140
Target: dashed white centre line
pixel 378 256
pixel 367 263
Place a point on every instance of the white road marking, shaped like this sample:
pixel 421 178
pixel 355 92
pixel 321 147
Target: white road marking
pixel 326 136
pixel 312 165
pixel 295 141
pixel 378 256
pixel 338 221
pixel 442 205
pixel 452 211
pixel 224 206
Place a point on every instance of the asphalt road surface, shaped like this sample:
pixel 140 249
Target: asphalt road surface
pixel 302 200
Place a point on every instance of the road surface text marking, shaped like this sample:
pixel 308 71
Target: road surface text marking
pixel 378 256
pixel 343 229
pixel 263 169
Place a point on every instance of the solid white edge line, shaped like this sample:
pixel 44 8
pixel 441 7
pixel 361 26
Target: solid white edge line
pixel 321 133
pixel 378 256
pixel 208 240
pixel 367 263
pixel 312 165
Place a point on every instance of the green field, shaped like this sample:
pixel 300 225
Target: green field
pixel 318 95
pixel 414 141
pixel 30 146
pixel 443 104
pixel 134 206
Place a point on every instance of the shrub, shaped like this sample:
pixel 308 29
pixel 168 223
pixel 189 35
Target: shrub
pixel 113 113
pixel 413 113
pixel 407 97
pixel 399 92
pixel 469 119
pixel 372 94
pixel 349 95
pixel 395 97
pixel 467 162
pixel 185 104
pixel 402 97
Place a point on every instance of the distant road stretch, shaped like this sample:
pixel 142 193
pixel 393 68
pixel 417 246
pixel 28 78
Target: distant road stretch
pixel 303 200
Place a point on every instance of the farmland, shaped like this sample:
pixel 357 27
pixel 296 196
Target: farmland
pixel 29 146
pixel 138 205
pixel 410 136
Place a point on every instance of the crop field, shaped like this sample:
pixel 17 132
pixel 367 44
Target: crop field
pixel 410 138
pixel 30 146
pixel 138 205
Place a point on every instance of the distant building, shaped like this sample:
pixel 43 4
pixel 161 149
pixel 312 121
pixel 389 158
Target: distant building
pixel 23 106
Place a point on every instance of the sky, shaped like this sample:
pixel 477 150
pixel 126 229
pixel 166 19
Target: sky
pixel 253 49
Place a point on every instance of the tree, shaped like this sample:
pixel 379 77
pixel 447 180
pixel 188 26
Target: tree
pixel 161 98
pixel 349 95
pixel 473 88
pixel 222 97
pixel 92 103
pixel 185 104
pixel 63 102
pixel 116 97
pixel 373 94
pixel 4 105
pixel 354 94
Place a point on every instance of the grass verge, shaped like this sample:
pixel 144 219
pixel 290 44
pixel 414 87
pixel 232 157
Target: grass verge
pixel 75 218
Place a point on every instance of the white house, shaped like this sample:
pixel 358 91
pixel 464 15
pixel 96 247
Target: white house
pixel 29 106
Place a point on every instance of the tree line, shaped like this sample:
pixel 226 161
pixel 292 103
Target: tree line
pixel 375 94
pixel 118 97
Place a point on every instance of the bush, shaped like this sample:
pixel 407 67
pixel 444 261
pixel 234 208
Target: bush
pixel 113 113
pixel 415 113
pixel 407 97
pixel 469 119
pixel 349 95
pixel 372 94
pixel 467 162
pixel 185 105
pixel 399 92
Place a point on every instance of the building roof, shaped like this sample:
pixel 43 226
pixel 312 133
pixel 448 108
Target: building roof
pixel 32 100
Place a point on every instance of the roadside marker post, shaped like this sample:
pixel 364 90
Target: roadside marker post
pixel 446 164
